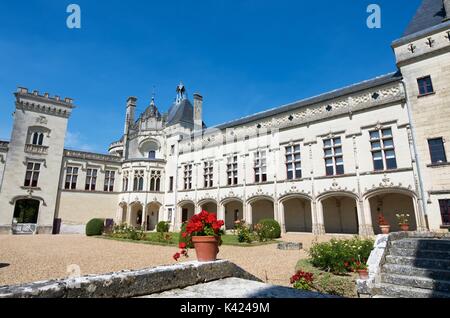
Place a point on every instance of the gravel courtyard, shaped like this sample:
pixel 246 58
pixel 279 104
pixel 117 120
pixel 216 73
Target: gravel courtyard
pixel 32 258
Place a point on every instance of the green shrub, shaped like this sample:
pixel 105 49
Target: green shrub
pixel 163 227
pixel 340 256
pixel 95 227
pixel 267 229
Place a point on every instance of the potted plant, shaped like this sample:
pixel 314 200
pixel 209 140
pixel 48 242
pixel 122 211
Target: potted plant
pixel 403 221
pixel 203 232
pixel 384 225
pixel 361 268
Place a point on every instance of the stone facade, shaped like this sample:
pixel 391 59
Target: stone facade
pixel 328 164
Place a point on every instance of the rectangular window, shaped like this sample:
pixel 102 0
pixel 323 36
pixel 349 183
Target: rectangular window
pixel 109 181
pixel 208 173
pixel 293 162
pixel 155 180
pixel 334 160
pixel 171 184
pixel 169 214
pixel 425 85
pixel 437 150
pixel 187 177
pixel 383 150
pixel 260 166
pixel 232 170
pixel 71 178
pixel 445 211
pixel 32 174
pixel 126 175
pixel 91 179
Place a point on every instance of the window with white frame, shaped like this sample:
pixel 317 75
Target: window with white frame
pixel 125 178
pixel 334 160
pixel 138 180
pixel 155 180
pixel 260 166
pixel 293 162
pixel 37 138
pixel 187 177
pixel 71 178
pixel 110 177
pixel 32 174
pixel 383 150
pixel 232 170
pixel 91 179
pixel 208 173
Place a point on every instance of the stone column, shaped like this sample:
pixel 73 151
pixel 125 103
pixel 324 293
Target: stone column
pixel 249 213
pixel 281 217
pixel 319 225
pixel 221 213
pixel 364 218
pixel 144 218
pixel 129 210
pixel 178 217
pixel 119 215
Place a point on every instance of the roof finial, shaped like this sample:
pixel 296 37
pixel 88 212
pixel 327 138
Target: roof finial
pixel 153 96
pixel 181 90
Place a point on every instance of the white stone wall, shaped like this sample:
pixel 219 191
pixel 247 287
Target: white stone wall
pixel 430 113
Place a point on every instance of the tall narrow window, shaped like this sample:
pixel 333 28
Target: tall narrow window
pixel 208 174
pixel 188 176
pixel 425 85
pixel 138 180
pixel 383 151
pixel 125 178
pixel 71 178
pixel 37 139
pixel 334 160
pixel 260 166
pixel 91 179
pixel 293 162
pixel 232 170
pixel 32 174
pixel 445 212
pixel 152 154
pixel 155 180
pixel 437 150
pixel 170 184
pixel 109 181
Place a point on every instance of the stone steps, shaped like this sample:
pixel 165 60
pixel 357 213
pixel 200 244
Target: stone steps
pixel 408 270
pixel 416 282
pixel 430 263
pixel 442 245
pixel 420 253
pixel 395 291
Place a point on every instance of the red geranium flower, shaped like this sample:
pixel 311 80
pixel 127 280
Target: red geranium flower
pixel 176 256
pixel 182 245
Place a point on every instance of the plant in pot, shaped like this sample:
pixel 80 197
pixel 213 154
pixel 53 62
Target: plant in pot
pixel 403 221
pixel 361 268
pixel 384 225
pixel 203 231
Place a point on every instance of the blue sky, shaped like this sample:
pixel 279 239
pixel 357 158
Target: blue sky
pixel 243 56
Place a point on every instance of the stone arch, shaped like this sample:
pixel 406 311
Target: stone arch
pixel 233 210
pixel 296 212
pixel 136 214
pixel 339 211
pixel 260 207
pixel 152 215
pixel 389 201
pixel 186 209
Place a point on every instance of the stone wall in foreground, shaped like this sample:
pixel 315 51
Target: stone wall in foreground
pixel 127 284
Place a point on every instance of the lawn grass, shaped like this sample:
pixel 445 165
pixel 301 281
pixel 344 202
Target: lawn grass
pixel 328 283
pixel 154 239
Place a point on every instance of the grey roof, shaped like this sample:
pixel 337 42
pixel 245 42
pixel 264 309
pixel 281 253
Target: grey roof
pixel 182 112
pixel 429 14
pixel 378 81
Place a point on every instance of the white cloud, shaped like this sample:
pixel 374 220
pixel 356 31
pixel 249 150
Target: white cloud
pixel 76 142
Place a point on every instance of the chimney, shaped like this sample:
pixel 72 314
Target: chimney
pixel 198 106
pixel 129 117
pixel 447 9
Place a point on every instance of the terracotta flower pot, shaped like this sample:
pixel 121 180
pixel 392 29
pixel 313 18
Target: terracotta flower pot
pixel 404 227
pixel 363 274
pixel 206 248
pixel 385 229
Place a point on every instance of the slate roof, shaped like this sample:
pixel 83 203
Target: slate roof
pixel 183 112
pixel 429 14
pixel 378 81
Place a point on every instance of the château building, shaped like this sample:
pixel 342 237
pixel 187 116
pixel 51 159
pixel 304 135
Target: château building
pixel 327 164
